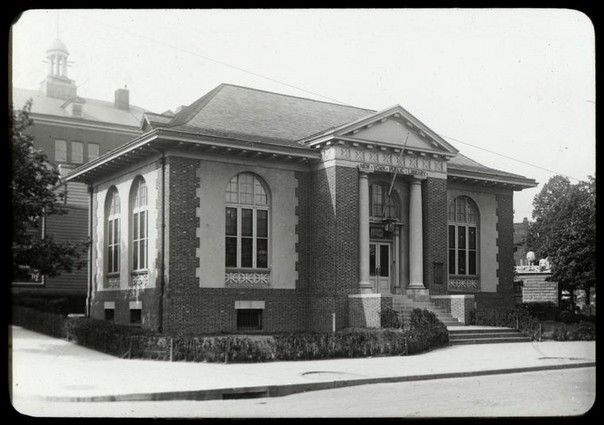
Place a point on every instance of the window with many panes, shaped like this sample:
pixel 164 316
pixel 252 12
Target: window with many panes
pixel 246 230
pixel 113 231
pixel 140 217
pixel 381 204
pixel 77 152
pixel 93 151
pixel 463 236
pixel 60 150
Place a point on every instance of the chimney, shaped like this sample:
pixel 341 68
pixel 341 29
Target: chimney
pixel 122 99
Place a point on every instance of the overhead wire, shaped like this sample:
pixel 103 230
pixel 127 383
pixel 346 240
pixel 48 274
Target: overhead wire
pixel 238 68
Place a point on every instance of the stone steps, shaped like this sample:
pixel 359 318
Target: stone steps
pixel 485 335
pixel 405 306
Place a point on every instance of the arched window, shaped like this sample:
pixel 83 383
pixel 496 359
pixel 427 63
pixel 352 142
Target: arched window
pixel 139 210
pixel 113 231
pixel 463 236
pixel 380 204
pixel 246 232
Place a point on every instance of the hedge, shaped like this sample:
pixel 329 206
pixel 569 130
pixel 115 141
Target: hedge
pixel 533 321
pixel 425 332
pixel 40 321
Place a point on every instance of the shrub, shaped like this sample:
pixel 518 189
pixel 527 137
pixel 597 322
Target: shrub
pixel 40 321
pixel 543 310
pixel 391 319
pixel 568 316
pixel 55 305
pixel 517 317
pixel 425 331
pixel 108 337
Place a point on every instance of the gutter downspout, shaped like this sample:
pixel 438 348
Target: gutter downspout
pixel 160 311
pixel 90 247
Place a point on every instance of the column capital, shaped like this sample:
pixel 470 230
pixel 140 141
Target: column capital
pixel 416 179
pixel 364 172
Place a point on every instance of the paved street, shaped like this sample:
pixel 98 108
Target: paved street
pixel 545 393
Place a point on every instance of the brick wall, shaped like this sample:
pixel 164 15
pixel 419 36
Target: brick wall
pixel 303 229
pixel 334 239
pixel 460 306
pixel 434 208
pixel 149 298
pixel 347 230
pixel 181 183
pixel 364 310
pixel 211 310
pixel 505 243
pixel 504 297
pixel 190 309
pixel 323 232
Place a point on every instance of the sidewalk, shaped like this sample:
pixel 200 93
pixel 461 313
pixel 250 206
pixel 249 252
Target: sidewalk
pixel 52 369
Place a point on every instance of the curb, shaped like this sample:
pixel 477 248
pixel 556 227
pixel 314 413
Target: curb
pixel 287 389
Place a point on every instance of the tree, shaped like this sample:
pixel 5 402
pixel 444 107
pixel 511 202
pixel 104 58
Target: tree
pixel 34 196
pixel 565 231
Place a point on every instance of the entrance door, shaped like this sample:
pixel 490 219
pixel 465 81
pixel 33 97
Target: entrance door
pixel 380 266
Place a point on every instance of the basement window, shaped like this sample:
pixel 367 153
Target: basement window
pixel 110 314
pixel 135 316
pixel 109 307
pixel 249 319
pixel 136 308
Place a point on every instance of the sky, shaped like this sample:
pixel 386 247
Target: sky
pixel 513 89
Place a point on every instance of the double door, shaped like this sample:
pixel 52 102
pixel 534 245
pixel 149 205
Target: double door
pixel 380 266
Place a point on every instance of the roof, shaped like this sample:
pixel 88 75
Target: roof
pixel 463 163
pixel 57 45
pixel 230 114
pixel 253 115
pixel 95 110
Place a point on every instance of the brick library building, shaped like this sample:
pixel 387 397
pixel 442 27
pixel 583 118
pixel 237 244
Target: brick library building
pixel 256 211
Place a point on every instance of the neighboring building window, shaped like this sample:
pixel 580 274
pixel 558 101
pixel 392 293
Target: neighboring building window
pixel 76 110
pixel 463 236
pixel 249 319
pixel 246 232
pixel 77 152
pixel 380 204
pixel 93 151
pixel 113 231
pixel 140 216
pixel 60 150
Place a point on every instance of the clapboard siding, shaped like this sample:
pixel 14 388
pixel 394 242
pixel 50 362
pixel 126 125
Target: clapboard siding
pixel 77 194
pixel 72 227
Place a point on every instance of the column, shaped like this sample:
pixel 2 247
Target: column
pixel 64 67
pixel 364 283
pixel 416 260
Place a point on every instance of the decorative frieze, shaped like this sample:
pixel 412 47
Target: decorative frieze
pixel 464 284
pixel 383 156
pixel 113 282
pixel 247 279
pixel 139 280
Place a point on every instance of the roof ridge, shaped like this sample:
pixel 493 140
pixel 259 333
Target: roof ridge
pixel 297 97
pixel 188 112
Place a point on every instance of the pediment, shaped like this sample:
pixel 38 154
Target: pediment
pixel 395 127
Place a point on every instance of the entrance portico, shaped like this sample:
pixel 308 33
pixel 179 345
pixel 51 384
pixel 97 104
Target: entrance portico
pixel 382 242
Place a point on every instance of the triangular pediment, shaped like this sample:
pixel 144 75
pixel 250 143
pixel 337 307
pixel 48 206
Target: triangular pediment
pixel 394 127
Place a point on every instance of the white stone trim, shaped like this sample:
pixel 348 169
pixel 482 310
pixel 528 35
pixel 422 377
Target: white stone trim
pixel 247 304
pixel 452 296
pixel 135 305
pixel 109 305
